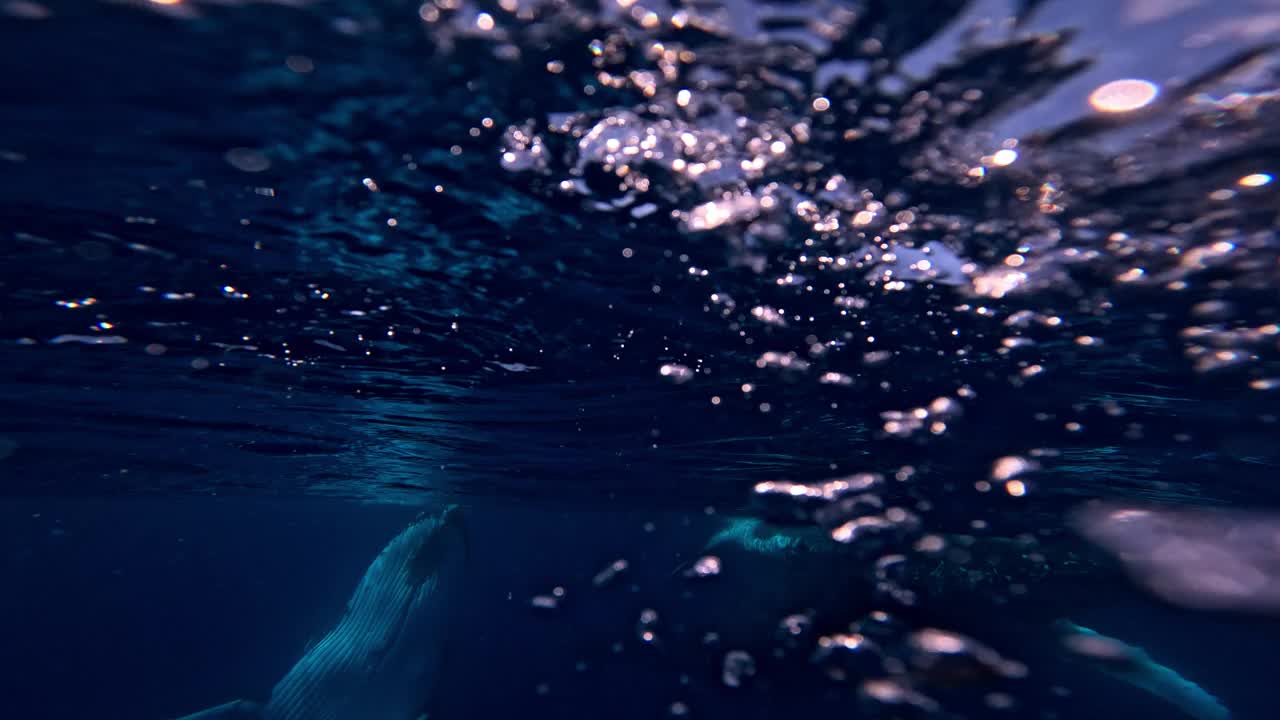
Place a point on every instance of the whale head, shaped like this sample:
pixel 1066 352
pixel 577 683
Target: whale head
pixel 379 662
pixel 438 539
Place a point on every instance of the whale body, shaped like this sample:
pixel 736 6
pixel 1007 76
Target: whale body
pixel 379 661
pixel 765 572
pixel 782 567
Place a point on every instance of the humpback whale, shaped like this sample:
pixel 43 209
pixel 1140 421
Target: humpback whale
pixel 378 662
pixel 792 562
pixel 770 572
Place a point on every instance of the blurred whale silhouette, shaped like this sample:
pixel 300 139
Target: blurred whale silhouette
pixel 782 568
pixel 770 571
pixel 378 662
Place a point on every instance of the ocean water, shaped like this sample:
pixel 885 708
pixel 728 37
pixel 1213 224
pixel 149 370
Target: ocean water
pixel 786 359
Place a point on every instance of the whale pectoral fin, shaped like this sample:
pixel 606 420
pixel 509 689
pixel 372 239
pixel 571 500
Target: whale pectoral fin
pixel 234 710
pixel 1133 665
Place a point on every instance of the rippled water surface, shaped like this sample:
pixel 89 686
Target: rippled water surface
pixel 880 359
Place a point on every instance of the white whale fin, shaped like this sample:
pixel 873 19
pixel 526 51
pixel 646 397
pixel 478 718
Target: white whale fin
pixel 1133 665
pixel 234 710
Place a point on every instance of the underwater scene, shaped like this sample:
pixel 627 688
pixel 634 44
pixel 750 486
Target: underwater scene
pixel 720 359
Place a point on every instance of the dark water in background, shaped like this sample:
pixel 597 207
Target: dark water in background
pixel 228 378
pixel 153 608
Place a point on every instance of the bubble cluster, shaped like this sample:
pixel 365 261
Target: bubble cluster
pixel 967 262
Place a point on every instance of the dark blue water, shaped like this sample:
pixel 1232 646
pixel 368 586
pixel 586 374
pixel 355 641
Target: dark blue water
pixel 274 276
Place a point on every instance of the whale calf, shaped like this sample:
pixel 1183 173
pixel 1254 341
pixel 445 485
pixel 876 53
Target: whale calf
pixel 765 572
pixel 379 661
pixel 787 566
